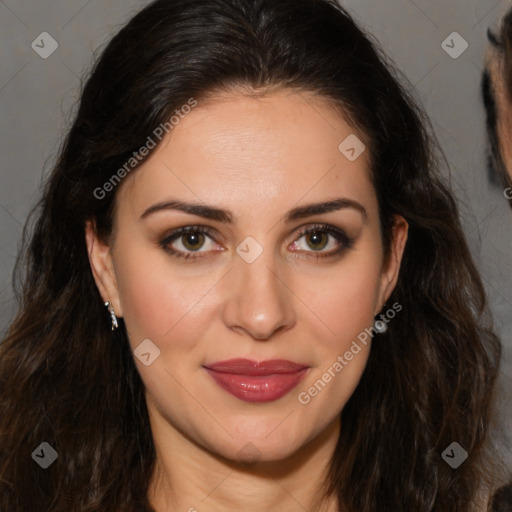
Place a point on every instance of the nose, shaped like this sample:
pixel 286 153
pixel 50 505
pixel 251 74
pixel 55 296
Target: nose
pixel 258 300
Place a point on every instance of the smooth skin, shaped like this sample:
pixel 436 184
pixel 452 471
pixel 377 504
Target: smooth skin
pixel 258 158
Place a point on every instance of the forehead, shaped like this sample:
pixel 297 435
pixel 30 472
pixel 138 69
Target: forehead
pixel 235 148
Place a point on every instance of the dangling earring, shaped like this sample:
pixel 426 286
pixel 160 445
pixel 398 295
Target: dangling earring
pixel 380 326
pixel 112 315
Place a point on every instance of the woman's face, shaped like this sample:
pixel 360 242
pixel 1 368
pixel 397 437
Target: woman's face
pixel 253 287
pixel 495 66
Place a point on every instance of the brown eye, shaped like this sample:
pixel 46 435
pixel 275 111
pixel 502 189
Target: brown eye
pixel 317 240
pixel 189 242
pixel 320 237
pixel 193 240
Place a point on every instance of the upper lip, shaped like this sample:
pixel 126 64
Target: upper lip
pixel 249 367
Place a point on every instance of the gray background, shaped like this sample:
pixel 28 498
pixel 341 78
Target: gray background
pixel 38 98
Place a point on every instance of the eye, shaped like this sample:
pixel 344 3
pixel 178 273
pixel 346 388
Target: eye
pixel 189 241
pixel 185 241
pixel 322 236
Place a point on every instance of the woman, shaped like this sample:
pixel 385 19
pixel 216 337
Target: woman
pixel 218 146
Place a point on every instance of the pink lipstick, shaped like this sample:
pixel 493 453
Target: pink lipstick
pixel 253 381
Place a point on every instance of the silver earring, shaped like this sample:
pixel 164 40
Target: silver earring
pixel 380 326
pixel 112 315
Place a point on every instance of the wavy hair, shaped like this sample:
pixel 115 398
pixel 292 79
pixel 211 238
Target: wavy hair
pixel 67 380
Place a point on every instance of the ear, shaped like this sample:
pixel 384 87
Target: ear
pixel 102 266
pixel 391 267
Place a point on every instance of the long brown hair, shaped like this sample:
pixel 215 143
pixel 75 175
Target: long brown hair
pixel 67 380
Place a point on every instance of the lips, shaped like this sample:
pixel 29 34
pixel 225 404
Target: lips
pixel 253 381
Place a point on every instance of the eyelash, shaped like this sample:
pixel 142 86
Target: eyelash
pixel 345 241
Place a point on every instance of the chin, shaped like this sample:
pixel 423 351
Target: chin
pixel 249 450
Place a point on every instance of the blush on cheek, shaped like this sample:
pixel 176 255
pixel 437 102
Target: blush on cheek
pixel 346 308
pixel 161 309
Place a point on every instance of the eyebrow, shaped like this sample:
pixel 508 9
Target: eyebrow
pixel 225 216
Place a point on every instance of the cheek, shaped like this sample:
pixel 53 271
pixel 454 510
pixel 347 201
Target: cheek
pixel 158 300
pixel 345 306
pixel 343 299
pixel 348 298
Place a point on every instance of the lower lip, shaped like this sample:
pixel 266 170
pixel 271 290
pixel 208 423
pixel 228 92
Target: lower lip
pixel 258 388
